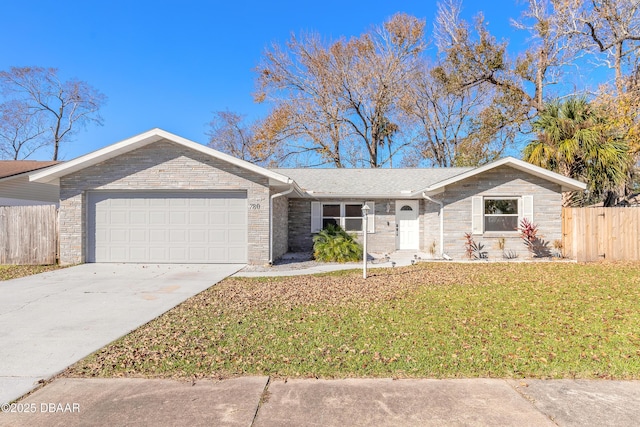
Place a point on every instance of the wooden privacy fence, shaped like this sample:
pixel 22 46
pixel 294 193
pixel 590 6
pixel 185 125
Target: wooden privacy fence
pixel 28 234
pixel 593 234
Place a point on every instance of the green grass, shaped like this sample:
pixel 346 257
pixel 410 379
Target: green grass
pixel 15 271
pixel 441 320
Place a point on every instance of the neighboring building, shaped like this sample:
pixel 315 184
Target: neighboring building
pixel 15 188
pixel 160 198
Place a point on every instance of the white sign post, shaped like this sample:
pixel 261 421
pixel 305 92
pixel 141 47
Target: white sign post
pixel 365 218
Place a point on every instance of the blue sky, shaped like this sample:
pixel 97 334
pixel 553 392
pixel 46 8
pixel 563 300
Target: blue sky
pixel 171 64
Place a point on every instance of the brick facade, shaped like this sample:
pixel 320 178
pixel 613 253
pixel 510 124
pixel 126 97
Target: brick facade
pixel 280 226
pixel 499 182
pixel 164 165
pixel 300 237
pixel 161 166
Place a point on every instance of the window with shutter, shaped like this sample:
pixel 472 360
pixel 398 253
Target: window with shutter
pixel 500 214
pixel 346 215
pixel 316 217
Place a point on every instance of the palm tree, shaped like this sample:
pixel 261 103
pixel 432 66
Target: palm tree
pixel 574 140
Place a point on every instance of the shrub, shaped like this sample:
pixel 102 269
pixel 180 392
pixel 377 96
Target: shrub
pixel 472 249
pixel 333 244
pixel 529 235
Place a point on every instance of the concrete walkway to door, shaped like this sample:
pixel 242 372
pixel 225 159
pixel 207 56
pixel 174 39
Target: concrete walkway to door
pixel 51 320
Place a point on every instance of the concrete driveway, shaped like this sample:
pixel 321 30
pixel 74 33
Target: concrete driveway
pixel 51 320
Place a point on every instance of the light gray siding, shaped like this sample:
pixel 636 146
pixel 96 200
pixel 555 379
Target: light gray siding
pixel 20 188
pixel 160 166
pixel 500 182
pixel 382 240
pixel 300 236
pixel 280 226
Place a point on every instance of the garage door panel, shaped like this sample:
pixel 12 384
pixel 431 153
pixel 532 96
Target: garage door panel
pixel 178 236
pixel 118 253
pixel 158 236
pixel 178 203
pixel 157 203
pixel 118 217
pixel 198 218
pixel 236 203
pixel 217 218
pixel 235 220
pixel 157 218
pixel 198 252
pixel 178 218
pixel 118 235
pixel 138 236
pixel 158 253
pixel 118 203
pixel 138 217
pixel 137 254
pixel 178 254
pixel 167 227
pixel 138 203
pixel 237 237
pixel 197 237
pixel 237 253
pixel 218 236
pixel 218 253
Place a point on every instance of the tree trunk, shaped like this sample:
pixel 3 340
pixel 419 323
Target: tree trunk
pixel 618 66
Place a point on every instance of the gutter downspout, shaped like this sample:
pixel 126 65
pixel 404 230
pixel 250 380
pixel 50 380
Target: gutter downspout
pixel 442 254
pixel 284 193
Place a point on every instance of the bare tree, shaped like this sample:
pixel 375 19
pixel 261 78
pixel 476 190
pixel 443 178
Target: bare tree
pixel 607 27
pixel 550 48
pixel 346 93
pixel 470 104
pixel 21 133
pixel 473 57
pixel 229 133
pixel 457 127
pixel 301 81
pixel 61 106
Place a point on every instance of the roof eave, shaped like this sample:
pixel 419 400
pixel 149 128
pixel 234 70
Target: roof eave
pixel 142 140
pixel 314 195
pixel 566 183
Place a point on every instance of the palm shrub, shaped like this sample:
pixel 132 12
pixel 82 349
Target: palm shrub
pixel 574 139
pixel 333 244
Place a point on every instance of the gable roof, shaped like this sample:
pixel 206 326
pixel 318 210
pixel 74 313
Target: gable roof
pixel 10 168
pixel 405 183
pixel 142 140
pixel 343 182
pixel 566 184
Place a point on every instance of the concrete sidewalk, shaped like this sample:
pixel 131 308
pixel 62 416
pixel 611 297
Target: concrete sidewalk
pixel 256 401
pixel 296 267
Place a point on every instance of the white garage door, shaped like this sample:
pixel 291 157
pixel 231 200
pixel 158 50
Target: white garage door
pixel 160 227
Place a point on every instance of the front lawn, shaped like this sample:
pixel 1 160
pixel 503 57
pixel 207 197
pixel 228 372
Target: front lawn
pixel 536 320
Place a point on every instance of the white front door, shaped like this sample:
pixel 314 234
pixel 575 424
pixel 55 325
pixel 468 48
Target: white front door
pixel 407 224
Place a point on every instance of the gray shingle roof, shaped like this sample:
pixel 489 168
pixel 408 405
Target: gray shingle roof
pixel 367 182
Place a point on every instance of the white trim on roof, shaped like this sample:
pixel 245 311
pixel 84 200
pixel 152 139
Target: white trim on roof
pixel 142 140
pixel 360 196
pixel 567 184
